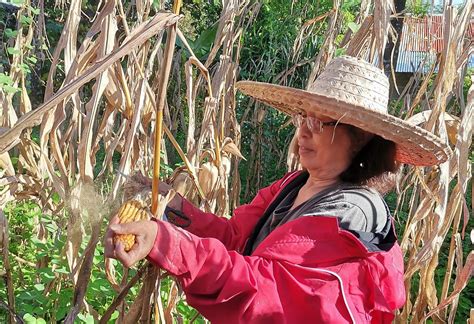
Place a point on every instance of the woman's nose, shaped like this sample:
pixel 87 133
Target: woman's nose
pixel 304 130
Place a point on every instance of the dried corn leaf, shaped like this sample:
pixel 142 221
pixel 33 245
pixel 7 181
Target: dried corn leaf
pixel 208 177
pixel 460 283
pixel 107 41
pixel 6 165
pixel 136 38
pixel 230 147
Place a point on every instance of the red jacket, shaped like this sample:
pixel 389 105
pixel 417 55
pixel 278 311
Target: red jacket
pixel 306 271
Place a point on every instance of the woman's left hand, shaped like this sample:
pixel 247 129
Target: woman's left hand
pixel 145 233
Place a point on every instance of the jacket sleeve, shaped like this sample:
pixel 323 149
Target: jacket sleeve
pixel 232 232
pixel 227 287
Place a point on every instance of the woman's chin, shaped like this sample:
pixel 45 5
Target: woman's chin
pixel 306 158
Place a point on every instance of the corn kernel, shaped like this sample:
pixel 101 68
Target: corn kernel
pixel 130 211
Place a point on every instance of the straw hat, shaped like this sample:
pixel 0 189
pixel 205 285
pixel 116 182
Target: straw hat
pixel 354 92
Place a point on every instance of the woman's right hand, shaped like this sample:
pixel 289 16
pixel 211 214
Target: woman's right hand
pixel 145 233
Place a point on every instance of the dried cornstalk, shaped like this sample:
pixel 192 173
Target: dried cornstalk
pixel 437 209
pixel 164 76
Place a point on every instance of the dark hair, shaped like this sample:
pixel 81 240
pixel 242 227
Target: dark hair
pixel 375 159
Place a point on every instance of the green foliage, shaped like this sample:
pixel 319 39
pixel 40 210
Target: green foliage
pixel 6 84
pixel 199 26
pixel 45 295
pixel 467 81
pixel 418 8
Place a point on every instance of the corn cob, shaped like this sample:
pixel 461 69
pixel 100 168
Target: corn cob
pixel 130 211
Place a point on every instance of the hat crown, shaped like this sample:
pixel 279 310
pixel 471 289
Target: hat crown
pixel 353 81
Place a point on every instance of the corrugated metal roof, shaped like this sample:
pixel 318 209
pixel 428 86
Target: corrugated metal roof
pixel 421 40
pixel 409 61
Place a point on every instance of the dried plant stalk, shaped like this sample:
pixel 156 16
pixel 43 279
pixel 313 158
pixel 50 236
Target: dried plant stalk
pixel 165 72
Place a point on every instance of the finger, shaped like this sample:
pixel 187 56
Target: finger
pixel 110 233
pixel 129 228
pixel 109 245
pixel 135 252
pixel 123 256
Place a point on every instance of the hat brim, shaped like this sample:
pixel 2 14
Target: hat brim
pixel 414 145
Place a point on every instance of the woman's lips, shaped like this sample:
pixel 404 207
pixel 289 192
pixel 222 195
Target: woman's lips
pixel 304 150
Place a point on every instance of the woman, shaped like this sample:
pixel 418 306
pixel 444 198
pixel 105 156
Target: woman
pixel 317 245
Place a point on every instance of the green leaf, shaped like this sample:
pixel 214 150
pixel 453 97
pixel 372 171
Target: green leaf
pixel 29 318
pixel 46 274
pixel 203 43
pixel 5 79
pixel 25 68
pixel 10 33
pixel 25 20
pixel 28 308
pixel 13 51
pixel 340 51
pixel 114 315
pixel 27 295
pixel 88 319
pixel 56 198
pixel 353 26
pixel 156 4
pixel 61 270
pixel 52 228
pixel 32 59
pixel 39 287
pixel 9 89
pixel 35 11
pixel 39 244
pixel 62 312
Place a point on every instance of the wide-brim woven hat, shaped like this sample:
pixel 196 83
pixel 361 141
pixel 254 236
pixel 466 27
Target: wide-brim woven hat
pixel 354 92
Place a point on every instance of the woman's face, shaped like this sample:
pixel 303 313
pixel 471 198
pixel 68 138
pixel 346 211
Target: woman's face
pixel 327 154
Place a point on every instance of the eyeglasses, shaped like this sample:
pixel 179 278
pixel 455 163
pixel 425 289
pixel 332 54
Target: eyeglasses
pixel 314 125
